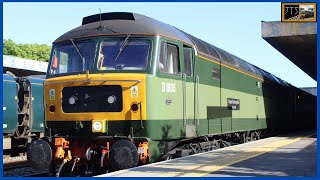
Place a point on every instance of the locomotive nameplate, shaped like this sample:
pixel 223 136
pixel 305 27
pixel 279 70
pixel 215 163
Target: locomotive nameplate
pixel 233 104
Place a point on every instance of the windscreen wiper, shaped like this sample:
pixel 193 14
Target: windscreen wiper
pixel 122 47
pixel 83 60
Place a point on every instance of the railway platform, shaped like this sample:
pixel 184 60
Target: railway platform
pixel 285 155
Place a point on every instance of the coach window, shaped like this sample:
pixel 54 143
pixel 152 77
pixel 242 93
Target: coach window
pixel 169 59
pixel 187 53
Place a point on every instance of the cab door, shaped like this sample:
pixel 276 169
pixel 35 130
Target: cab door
pixel 188 92
pixel 175 72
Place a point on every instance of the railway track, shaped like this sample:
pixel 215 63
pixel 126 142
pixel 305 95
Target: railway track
pixel 14 165
pixel 19 167
pixel 43 174
pixel 23 171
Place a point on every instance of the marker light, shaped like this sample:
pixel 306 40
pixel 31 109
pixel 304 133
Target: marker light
pixel 52 108
pixel 134 107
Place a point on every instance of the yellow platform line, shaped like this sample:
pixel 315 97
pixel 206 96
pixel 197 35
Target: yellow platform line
pixel 217 164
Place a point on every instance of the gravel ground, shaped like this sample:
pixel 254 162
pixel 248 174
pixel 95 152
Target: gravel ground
pixel 20 172
pixel 22 168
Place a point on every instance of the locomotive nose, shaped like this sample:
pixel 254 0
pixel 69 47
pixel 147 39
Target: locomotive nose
pixel 39 154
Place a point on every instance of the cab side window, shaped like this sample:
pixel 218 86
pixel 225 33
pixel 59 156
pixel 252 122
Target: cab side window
pixel 169 59
pixel 187 60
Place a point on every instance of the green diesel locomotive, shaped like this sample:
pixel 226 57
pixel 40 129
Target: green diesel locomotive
pixel 124 89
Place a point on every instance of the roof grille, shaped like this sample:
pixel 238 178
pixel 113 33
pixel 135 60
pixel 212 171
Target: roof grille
pixel 108 16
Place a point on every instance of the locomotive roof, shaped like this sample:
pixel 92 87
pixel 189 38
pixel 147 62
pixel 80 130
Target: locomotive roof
pixel 132 23
pixel 122 23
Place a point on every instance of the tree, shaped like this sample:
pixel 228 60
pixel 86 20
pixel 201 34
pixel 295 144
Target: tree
pixel 40 52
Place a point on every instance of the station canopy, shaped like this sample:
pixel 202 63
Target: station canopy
pixel 296 41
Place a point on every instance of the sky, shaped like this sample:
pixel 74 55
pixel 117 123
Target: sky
pixel 234 27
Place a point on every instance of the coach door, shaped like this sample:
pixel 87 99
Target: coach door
pixel 188 88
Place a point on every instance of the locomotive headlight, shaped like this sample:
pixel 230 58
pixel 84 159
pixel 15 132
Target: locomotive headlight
pixel 97 126
pixel 111 99
pixel 72 100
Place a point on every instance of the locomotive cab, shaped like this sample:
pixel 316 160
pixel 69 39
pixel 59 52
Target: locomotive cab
pixel 94 88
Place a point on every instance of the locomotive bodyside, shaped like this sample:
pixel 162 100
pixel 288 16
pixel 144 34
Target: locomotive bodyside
pixel 10 115
pixel 37 105
pixel 23 118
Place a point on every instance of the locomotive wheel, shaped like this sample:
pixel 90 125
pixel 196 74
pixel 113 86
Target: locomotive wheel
pixel 254 135
pixel 39 154
pixel 123 155
pixel 244 137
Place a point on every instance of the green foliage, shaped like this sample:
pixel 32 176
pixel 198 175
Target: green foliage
pixel 63 58
pixel 40 52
